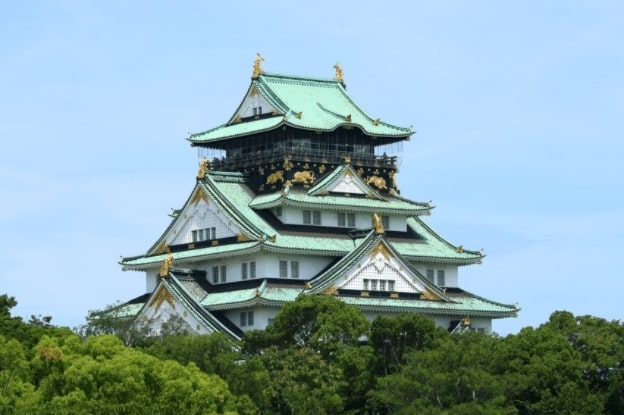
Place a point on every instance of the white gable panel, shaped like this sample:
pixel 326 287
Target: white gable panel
pixel 347 184
pixel 200 215
pixel 162 309
pixel 257 102
pixel 381 267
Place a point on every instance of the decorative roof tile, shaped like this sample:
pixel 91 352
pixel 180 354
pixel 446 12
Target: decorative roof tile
pixel 305 103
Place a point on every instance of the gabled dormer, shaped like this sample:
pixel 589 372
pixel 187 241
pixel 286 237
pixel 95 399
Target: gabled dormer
pixel 253 107
pixel 199 223
pixel 375 268
pixel 344 180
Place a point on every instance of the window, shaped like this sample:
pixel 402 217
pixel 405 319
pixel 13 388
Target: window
pixel 246 318
pixel 204 234
pixel 223 275
pixel 294 269
pixel 385 221
pixel 441 278
pixel 311 217
pixel 351 220
pixel 278 211
pixel 248 270
pixel 215 275
pixel 430 274
pixel 378 285
pixel 316 217
pixel 257 110
pixel 346 219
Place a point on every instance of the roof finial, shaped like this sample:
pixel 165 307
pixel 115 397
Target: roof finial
pixel 377 224
pixel 257 68
pixel 167 264
pixel 339 75
pixel 204 166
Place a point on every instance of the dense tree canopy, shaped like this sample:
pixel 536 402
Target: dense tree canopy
pixel 313 360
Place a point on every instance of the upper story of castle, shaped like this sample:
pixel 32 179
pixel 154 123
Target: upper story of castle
pixel 291 130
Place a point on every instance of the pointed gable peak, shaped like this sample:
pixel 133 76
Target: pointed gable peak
pixel 344 180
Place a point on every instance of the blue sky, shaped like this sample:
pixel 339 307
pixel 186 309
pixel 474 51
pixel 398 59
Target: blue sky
pixel 518 109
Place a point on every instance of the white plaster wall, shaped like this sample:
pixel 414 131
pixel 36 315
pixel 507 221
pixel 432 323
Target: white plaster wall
pixel 155 318
pixel 330 218
pixel 267 266
pixel 309 266
pixel 262 315
pixel 450 272
pixel 200 216
pixel 398 223
pixel 151 280
pixel 251 102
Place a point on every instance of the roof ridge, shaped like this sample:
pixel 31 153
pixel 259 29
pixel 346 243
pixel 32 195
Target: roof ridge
pixel 299 77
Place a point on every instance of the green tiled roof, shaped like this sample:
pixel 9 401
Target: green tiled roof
pixel 305 103
pixel 338 270
pixel 237 202
pixel 193 255
pixel 462 305
pixel 301 198
pixel 433 247
pixel 265 294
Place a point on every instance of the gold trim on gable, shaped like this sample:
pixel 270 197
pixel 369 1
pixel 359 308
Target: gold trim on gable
pixel 241 237
pixel 429 295
pixel 162 248
pixel 381 249
pixel 160 297
pixel 199 195
pixel 331 290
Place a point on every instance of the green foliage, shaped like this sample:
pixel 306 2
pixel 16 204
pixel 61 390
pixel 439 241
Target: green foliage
pixel 302 382
pixel 321 323
pixel 102 376
pixel 311 361
pixel 220 355
pixel 392 337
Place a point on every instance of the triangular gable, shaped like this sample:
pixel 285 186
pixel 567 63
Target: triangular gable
pixel 199 220
pixel 162 308
pixel 376 266
pixel 383 266
pixel 255 104
pixel 344 180
pixel 170 302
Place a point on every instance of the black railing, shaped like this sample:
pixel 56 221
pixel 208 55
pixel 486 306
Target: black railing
pixel 238 161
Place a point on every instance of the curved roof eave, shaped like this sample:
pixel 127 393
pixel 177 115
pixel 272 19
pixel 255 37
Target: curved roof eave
pixel 238 134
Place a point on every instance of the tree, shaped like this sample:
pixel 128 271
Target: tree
pixel 102 376
pixel 321 323
pixel 220 355
pixel 392 337
pixel 301 382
